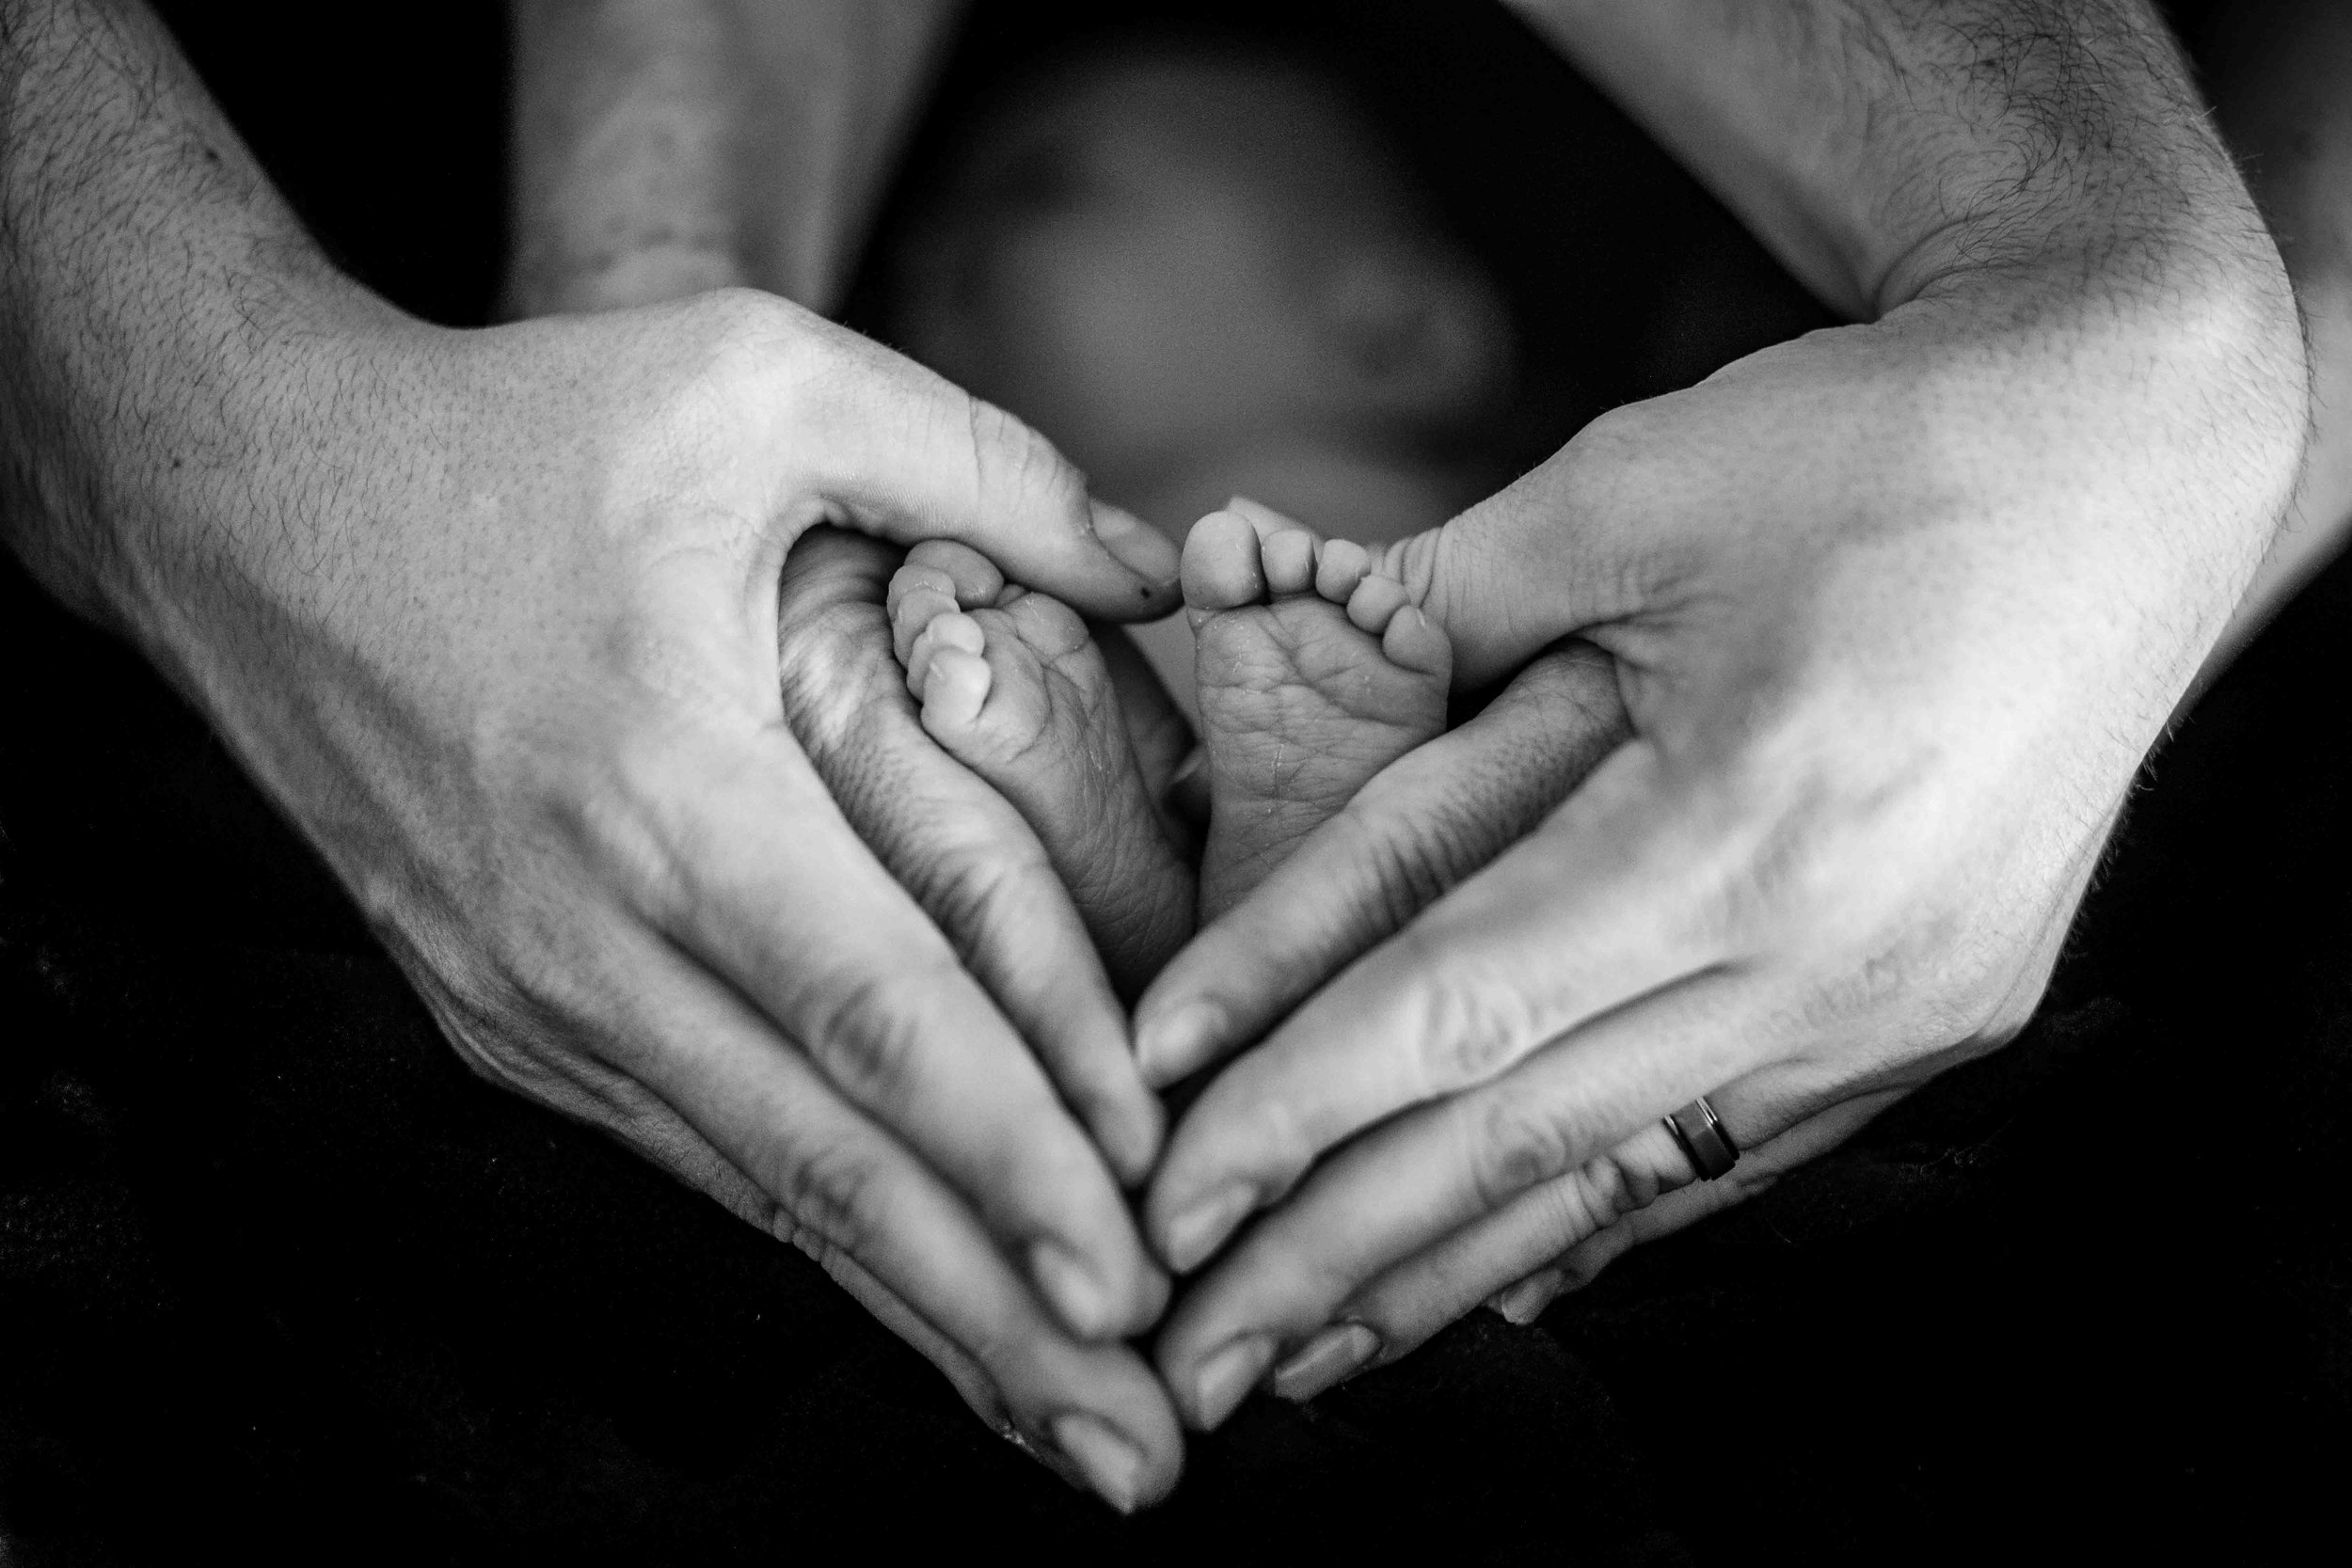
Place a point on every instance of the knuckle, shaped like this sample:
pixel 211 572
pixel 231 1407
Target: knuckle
pixel 1515 1144
pixel 1471 1025
pixel 1408 864
pixel 829 1193
pixel 867 1039
pixel 975 890
pixel 1594 1197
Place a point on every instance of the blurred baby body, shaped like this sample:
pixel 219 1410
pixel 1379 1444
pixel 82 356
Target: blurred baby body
pixel 1202 274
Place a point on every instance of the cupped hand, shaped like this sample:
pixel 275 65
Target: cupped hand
pixel 1894 612
pixel 523 684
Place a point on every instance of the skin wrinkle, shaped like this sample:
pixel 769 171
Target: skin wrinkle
pixel 177 151
pixel 2120 293
pixel 217 446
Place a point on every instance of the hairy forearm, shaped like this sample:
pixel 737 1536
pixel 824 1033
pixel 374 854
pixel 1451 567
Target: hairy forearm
pixel 2279 86
pixel 1882 146
pixel 663 147
pixel 160 314
pixel 2025 201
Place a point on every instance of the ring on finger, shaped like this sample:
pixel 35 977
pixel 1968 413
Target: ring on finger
pixel 1704 1138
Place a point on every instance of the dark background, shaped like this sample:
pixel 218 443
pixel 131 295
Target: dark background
pixel 280 1280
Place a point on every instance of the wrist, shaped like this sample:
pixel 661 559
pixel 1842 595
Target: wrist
pixel 209 519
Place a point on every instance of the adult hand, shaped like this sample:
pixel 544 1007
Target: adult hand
pixel 493 618
pixel 505 644
pixel 567 790
pixel 1894 610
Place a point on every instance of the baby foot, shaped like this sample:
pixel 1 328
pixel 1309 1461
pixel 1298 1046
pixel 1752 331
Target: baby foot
pixel 1013 688
pixel 1314 675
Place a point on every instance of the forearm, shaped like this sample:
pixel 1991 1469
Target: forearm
pixel 664 148
pixel 2278 86
pixel 2025 199
pixel 1882 146
pixel 169 328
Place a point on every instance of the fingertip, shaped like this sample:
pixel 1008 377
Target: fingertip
pixel 1136 546
pixel 1079 1298
pixel 1131 1460
pixel 1174 1044
pixel 1107 1288
pixel 1523 1303
pixel 1121 1114
pixel 1133 1135
pixel 1188 1232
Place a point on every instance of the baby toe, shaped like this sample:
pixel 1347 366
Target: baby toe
pixel 1375 602
pixel 1288 561
pixel 1413 641
pixel 976 579
pixel 956 684
pixel 1342 566
pixel 912 614
pixel 1046 625
pixel 951 633
pixel 912 576
pixel 1222 569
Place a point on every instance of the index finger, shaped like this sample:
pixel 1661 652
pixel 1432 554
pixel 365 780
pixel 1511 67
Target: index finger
pixel 1604 904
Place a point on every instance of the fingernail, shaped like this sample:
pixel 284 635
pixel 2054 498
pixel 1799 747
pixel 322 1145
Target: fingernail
pixel 1176 1043
pixel 1226 1378
pixel 1113 1465
pixel 1071 1290
pixel 1201 1228
pixel 1137 545
pixel 1523 1303
pixel 1330 1357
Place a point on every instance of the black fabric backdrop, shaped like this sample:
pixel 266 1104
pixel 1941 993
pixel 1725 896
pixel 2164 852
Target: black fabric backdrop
pixel 280 1280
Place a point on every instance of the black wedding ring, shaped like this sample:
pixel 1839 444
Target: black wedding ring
pixel 1704 1138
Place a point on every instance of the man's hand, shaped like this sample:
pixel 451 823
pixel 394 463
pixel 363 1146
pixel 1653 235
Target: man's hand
pixel 1895 611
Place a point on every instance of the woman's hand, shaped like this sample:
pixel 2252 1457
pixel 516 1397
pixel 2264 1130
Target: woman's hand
pixel 1894 612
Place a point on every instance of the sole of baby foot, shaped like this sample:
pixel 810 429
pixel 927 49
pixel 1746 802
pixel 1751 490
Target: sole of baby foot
pixel 1015 689
pixel 1314 675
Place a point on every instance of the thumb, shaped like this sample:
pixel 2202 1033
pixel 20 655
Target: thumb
pixel 907 455
pixel 1564 549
